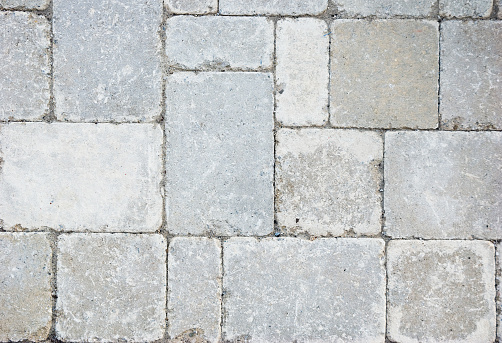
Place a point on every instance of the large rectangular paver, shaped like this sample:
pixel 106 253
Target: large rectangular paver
pixel 465 8
pixel 273 7
pixel 24 4
pixel 386 8
pixel 192 6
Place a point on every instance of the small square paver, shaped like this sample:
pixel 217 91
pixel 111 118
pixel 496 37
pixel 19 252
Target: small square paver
pixel 25 287
pixel 107 60
pixel 24 4
pixel 192 6
pixel 220 153
pixel 471 69
pixel 465 8
pixel 329 181
pixel 443 184
pixel 285 290
pixel 384 74
pixel 302 72
pixel 111 287
pixel 194 294
pixel 273 7
pixel 386 8
pixel 24 66
pixel 441 291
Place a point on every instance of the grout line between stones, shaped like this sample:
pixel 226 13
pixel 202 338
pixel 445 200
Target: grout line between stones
pixel 277 229
pixel 53 239
pixel 440 119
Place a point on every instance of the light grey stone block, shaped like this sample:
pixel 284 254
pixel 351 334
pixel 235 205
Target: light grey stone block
pixel 192 6
pixel 111 287
pixel 328 181
pixel 441 291
pixel 302 71
pixel 24 4
pixel 220 153
pixel 386 8
pixel 273 7
pixel 465 8
pixel 213 42
pixel 25 287
pixel 471 69
pixel 194 295
pixel 24 66
pixel 443 184
pixel 81 177
pixel 384 74
pixel 107 60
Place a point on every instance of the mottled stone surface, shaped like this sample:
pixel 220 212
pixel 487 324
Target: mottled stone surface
pixel 220 153
pixel 273 7
pixel 107 60
pixel 285 290
pixel 328 181
pixel 194 295
pixel 465 8
pixel 111 287
pixel 384 74
pixel 386 8
pixel 24 65
pixel 24 4
pixel 25 290
pixel 471 69
pixel 80 177
pixel 441 291
pixel 443 184
pixel 219 42
pixel 192 6
pixel 302 71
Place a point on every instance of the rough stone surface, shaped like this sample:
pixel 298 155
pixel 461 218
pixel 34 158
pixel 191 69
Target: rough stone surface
pixel 386 8
pixel 499 290
pixel 219 42
pixel 25 290
pixel 465 8
pixel 24 4
pixel 24 66
pixel 443 184
pixel 302 71
pixel 285 290
pixel 384 74
pixel 273 7
pixel 107 60
pixel 194 295
pixel 328 181
pixel 441 291
pixel 111 287
pixel 471 69
pixel 192 6
pixel 220 153
pixel 80 177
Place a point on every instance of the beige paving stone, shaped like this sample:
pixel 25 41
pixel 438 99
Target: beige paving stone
pixel 386 8
pixel 465 8
pixel 24 4
pixel 273 7
pixel 192 6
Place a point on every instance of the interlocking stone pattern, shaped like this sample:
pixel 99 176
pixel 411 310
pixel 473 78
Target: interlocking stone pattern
pixel 251 171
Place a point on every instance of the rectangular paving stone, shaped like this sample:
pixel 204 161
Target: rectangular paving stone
pixel 192 6
pixel 285 290
pixel 471 69
pixel 220 153
pixel 465 8
pixel 80 177
pixel 384 74
pixel 329 181
pixel 443 184
pixel 107 64
pixel 302 73
pixel 194 294
pixel 111 287
pixel 441 291
pixel 386 8
pixel 24 4
pixel 219 42
pixel 273 7
pixel 25 287
pixel 24 66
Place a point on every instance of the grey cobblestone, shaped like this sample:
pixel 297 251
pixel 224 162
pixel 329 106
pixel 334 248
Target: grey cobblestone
pixel 386 8
pixel 465 8
pixel 24 4
pixel 273 7
pixel 192 6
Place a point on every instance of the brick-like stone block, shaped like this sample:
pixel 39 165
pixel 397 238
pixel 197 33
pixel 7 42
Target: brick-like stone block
pixel 386 8
pixel 24 66
pixel 465 8
pixel 273 7
pixel 384 74
pixel 302 71
pixel 441 291
pixel 328 181
pixel 471 69
pixel 107 60
pixel 111 287
pixel 285 290
pixel 194 294
pixel 80 177
pixel 24 4
pixel 219 42
pixel 220 153
pixel 443 184
pixel 25 286
pixel 192 6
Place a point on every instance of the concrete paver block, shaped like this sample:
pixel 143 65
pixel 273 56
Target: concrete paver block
pixel 192 6
pixel 386 8
pixel 24 4
pixel 465 8
pixel 273 7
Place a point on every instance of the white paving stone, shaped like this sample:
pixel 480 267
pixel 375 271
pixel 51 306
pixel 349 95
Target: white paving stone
pixel 465 8
pixel 24 4
pixel 273 7
pixel 386 8
pixel 192 6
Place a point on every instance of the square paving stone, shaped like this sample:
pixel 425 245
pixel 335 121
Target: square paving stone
pixel 441 291
pixel 273 7
pixel 386 8
pixel 192 6
pixel 465 8
pixel 24 4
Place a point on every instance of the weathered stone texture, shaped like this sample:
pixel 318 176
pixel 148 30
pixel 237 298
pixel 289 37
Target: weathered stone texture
pixel 24 65
pixel 302 71
pixel 328 181
pixel 192 6
pixel 24 4
pixel 441 291
pixel 443 184
pixel 465 8
pixel 285 290
pixel 273 7
pixel 471 69
pixel 384 74
pixel 81 177
pixel 386 8
pixel 220 153
pixel 111 287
